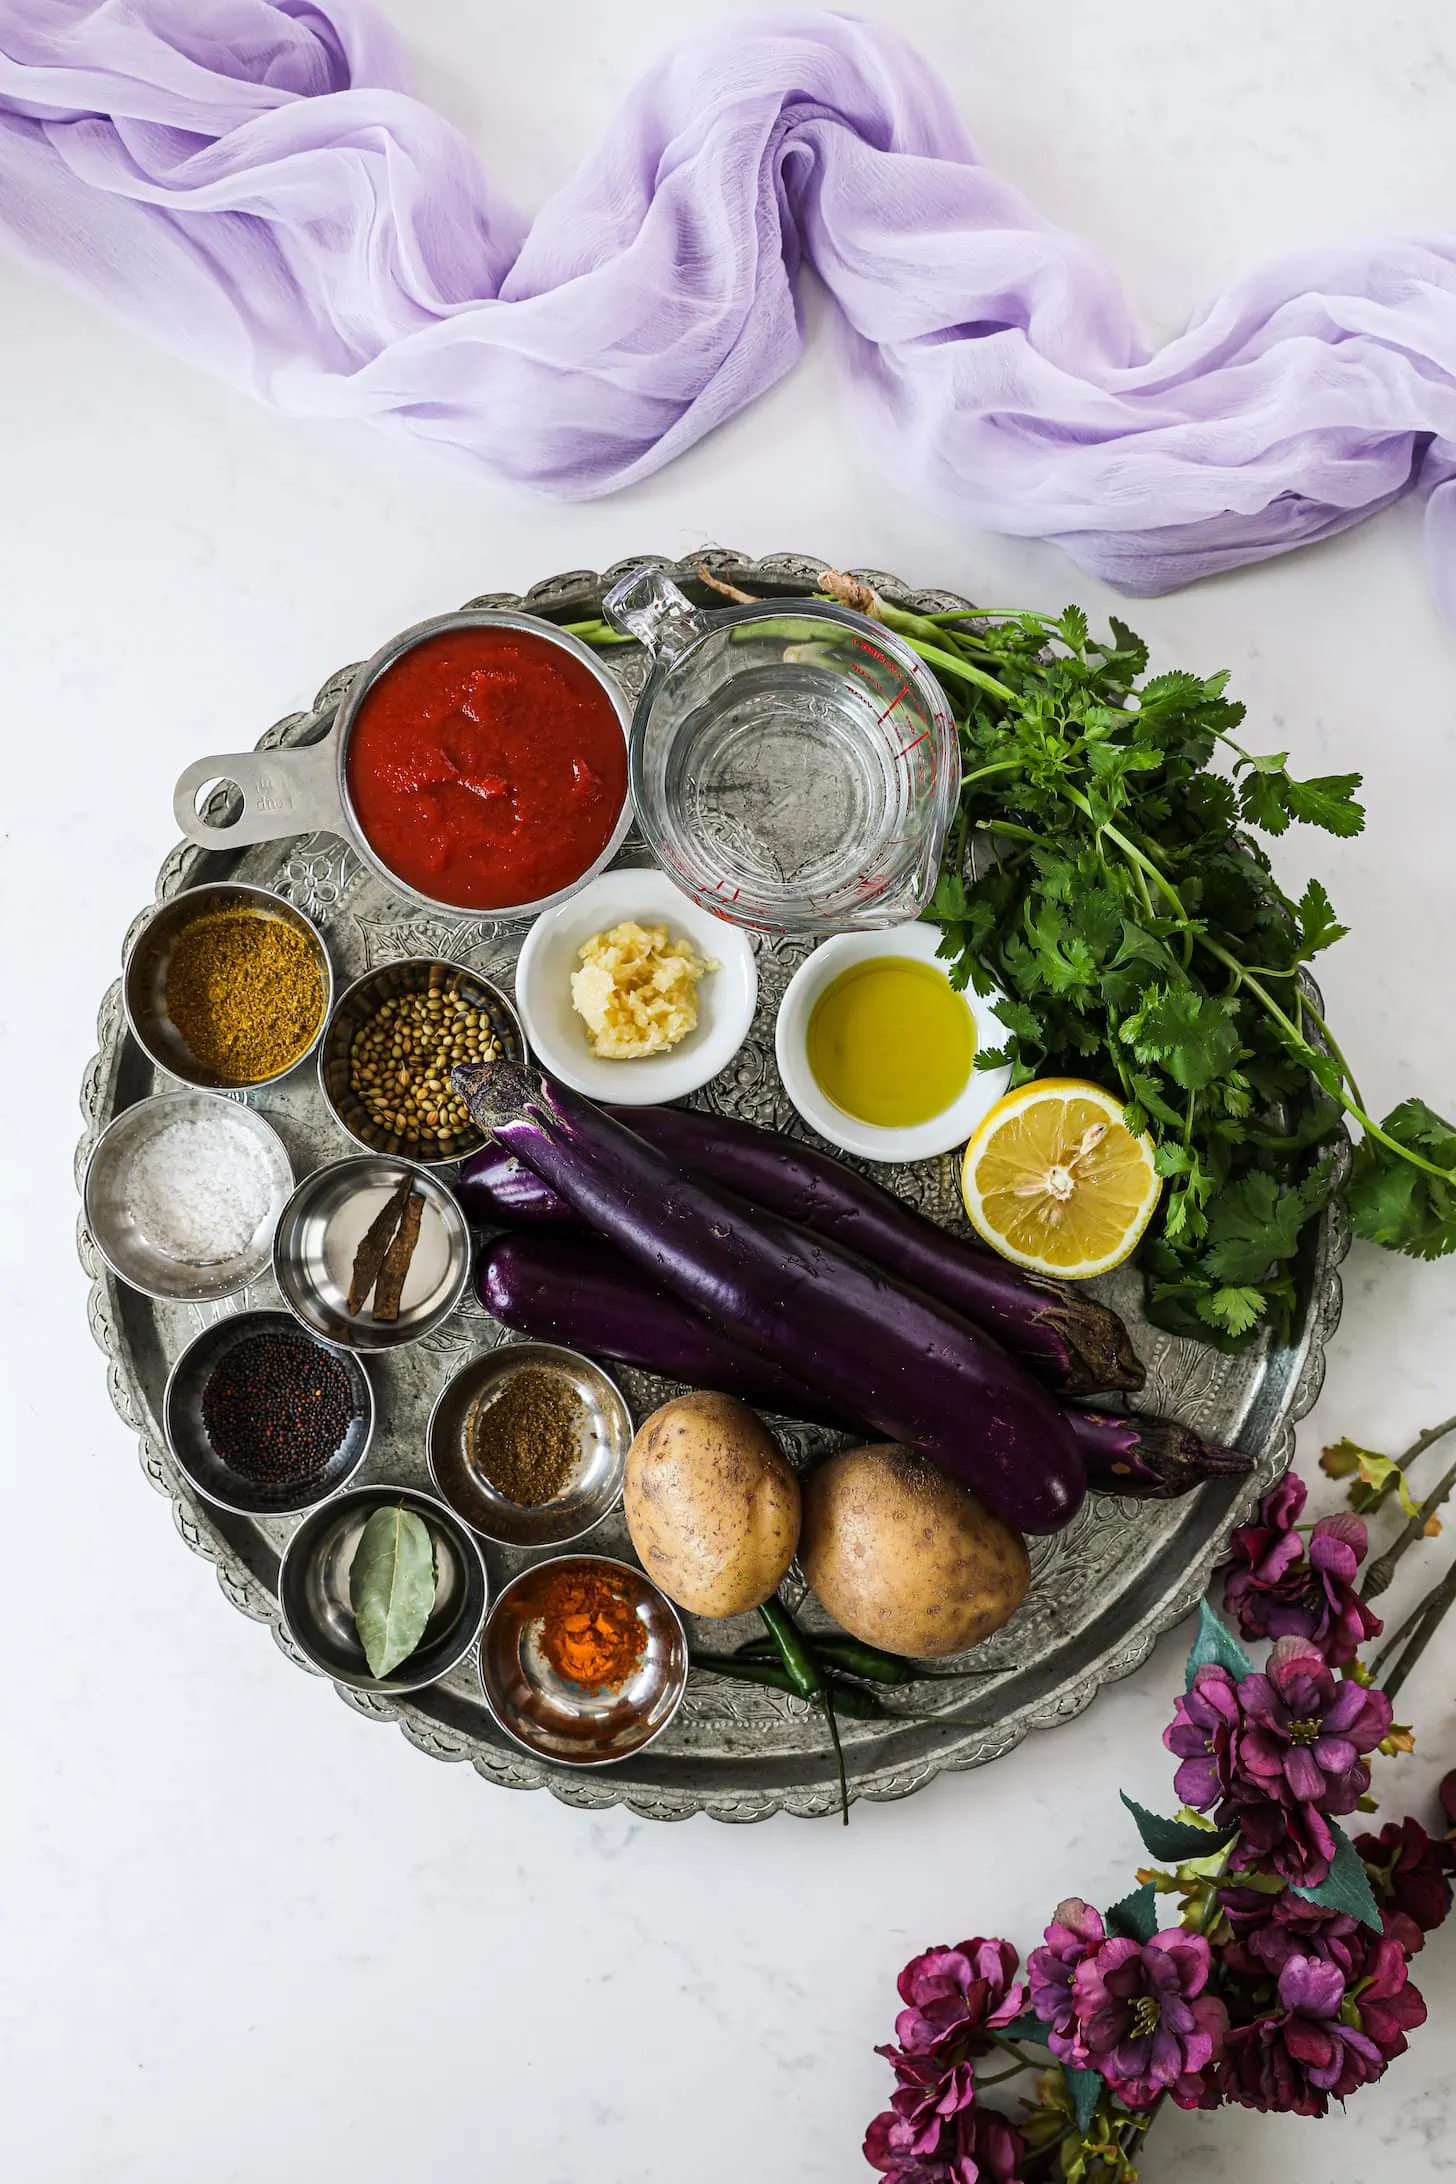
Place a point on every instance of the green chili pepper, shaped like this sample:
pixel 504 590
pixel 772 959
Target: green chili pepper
pixel 849 1699
pixel 852 1657
pixel 808 1680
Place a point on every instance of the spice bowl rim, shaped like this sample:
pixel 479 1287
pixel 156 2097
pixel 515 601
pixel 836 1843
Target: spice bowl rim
pixel 185 1095
pixel 534 1573
pixel 353 1365
pixel 519 1355
pixel 270 903
pixel 371 1335
pixel 463 1641
pixel 917 941
pixel 557 1034
pixel 396 964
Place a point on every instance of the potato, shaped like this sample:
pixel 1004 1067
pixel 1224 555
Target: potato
pixel 903 1557
pixel 711 1503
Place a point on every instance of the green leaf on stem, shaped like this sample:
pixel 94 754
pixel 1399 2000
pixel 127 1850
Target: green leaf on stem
pixel 1135 1916
pixel 1214 1644
pixel 1084 2089
pixel 1346 1887
pixel 1175 1840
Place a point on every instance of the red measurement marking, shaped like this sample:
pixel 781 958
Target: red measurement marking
pixel 899 694
pixel 913 746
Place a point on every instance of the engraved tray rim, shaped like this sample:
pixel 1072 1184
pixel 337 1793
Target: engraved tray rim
pixel 573 594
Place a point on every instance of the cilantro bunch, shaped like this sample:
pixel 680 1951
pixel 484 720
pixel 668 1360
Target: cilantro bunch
pixel 1106 879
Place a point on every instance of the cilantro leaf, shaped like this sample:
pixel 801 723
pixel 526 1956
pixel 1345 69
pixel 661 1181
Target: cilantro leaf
pixel 1193 1035
pixel 1318 926
pixel 1327 801
pixel 1397 1204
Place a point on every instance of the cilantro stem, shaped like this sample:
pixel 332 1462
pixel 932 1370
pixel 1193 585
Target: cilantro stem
pixel 1005 826
pixel 1337 1057
pixel 982 773
pixel 950 664
pixel 1348 1100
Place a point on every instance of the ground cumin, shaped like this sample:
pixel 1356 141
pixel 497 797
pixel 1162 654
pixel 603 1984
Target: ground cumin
pixel 526 1437
pixel 590 1630
pixel 244 991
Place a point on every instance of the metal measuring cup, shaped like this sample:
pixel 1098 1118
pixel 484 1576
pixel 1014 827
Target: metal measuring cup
pixel 305 789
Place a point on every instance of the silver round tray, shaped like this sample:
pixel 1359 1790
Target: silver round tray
pixel 1102 1590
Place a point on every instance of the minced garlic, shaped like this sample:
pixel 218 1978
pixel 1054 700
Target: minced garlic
pixel 637 990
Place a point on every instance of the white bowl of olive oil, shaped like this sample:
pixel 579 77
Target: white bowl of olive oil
pixel 877 1050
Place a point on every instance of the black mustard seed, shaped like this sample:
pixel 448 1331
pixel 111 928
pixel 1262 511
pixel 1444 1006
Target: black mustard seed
pixel 276 1408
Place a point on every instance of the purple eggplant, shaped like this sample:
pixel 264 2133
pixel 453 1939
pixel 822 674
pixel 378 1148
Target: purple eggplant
pixel 1155 1459
pixel 1069 1340
pixel 577 1289
pixel 892 1356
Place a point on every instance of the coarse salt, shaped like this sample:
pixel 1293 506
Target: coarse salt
pixel 199 1189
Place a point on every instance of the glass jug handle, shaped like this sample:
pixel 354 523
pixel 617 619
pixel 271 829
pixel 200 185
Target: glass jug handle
pixel 645 605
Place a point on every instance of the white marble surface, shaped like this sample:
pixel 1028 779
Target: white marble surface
pixel 243 1933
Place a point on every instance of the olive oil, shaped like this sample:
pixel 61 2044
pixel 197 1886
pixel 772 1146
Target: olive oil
pixel 891 1042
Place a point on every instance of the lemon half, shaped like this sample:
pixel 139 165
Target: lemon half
pixel 1054 1180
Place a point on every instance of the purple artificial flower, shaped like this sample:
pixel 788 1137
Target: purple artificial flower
pixel 1446 1791
pixel 1276 1752
pixel 957 1998
pixel 1269 1930
pixel 1276 1590
pixel 1304 1734
pixel 1143 2019
pixel 927 2094
pixel 979 2146
pixel 1295 2057
pixel 1385 2003
pixel 1076 1930
pixel 1410 1873
pixel 1204 1735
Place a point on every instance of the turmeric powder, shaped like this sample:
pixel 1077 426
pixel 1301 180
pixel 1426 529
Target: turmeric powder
pixel 591 1632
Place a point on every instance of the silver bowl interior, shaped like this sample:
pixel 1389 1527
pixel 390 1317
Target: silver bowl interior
pixel 111 1218
pixel 358 1004
pixel 144 980
pixel 192 1449
pixel 606 1436
pixel 313 1590
pixel 320 1230
pixel 568 1722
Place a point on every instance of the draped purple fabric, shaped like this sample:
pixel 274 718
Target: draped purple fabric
pixel 251 182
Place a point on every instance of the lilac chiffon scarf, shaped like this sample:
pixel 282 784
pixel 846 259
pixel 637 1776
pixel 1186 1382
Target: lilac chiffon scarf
pixel 251 182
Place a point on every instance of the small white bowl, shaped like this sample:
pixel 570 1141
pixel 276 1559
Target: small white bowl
pixel 921 1140
pixel 727 996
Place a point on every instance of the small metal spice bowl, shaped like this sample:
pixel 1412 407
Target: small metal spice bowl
pixel 313 1273
pixel 144 978
pixel 568 1722
pixel 360 1003
pixel 313 1590
pixel 191 1445
pixel 132 1255
pixel 606 1436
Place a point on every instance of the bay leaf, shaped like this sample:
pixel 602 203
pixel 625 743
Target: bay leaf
pixel 392 1586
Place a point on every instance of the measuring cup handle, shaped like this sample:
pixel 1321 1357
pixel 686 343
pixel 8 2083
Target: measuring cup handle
pixel 284 792
pixel 644 604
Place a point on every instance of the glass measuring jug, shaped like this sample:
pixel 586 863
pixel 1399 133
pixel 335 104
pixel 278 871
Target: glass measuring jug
pixel 794 766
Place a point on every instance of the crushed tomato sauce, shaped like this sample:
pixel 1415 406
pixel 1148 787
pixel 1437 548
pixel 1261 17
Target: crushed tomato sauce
pixel 487 768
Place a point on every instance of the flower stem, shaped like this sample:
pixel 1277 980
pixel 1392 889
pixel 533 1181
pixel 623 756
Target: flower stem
pixel 1418 1447
pixel 999 2077
pixel 1383 1569
pixel 1423 1627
